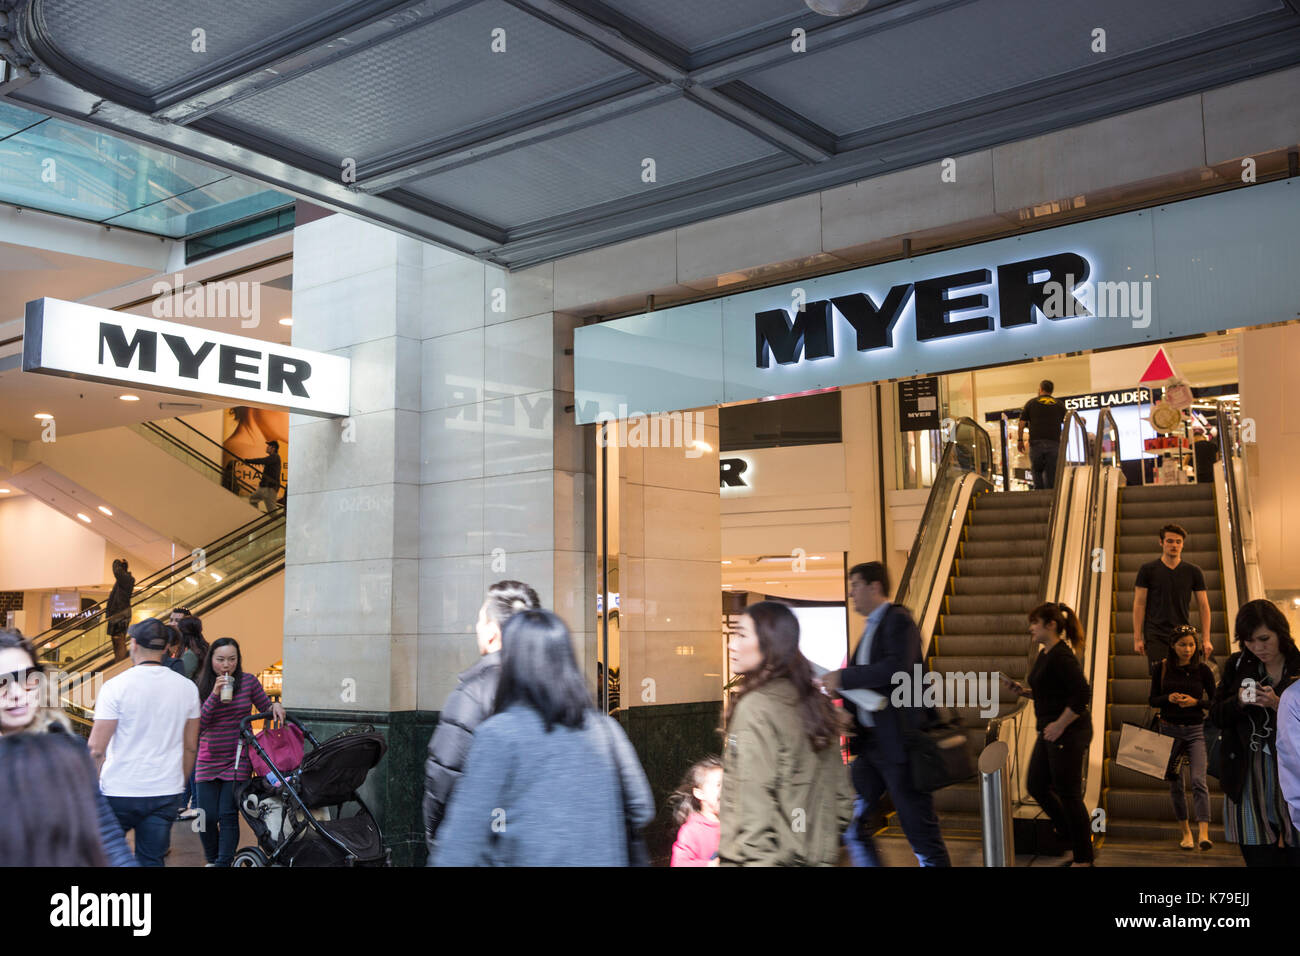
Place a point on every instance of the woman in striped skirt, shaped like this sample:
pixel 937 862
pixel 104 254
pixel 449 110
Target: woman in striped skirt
pixel 1245 709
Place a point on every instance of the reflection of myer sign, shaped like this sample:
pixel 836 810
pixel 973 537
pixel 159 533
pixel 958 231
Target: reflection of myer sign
pixel 80 341
pixel 1025 289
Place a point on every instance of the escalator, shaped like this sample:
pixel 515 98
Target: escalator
pixel 201 452
pixel 980 563
pixel 994 584
pixel 1138 806
pixel 80 648
pixel 1221 542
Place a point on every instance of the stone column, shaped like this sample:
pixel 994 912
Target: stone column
pixel 458 466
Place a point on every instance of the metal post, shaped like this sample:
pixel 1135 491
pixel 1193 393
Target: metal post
pixel 1006 453
pixel 995 805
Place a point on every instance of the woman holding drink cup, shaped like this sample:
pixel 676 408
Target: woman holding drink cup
pixel 228 695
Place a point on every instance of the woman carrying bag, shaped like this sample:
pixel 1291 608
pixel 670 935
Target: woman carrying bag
pixel 549 781
pixel 1183 688
pixel 1255 814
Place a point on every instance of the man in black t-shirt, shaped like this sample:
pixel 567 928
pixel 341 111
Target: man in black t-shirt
pixel 1162 596
pixel 1042 417
pixel 1205 453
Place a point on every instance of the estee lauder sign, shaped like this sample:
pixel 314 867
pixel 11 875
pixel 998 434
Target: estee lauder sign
pixel 1025 289
pixel 81 341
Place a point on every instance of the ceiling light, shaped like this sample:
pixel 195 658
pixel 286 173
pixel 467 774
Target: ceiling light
pixel 700 446
pixel 129 398
pixel 4 491
pixel 286 321
pixel 106 511
pixel 836 8
pixel 83 517
pixel 214 575
pixel 726 562
pixel 191 580
pixel 43 415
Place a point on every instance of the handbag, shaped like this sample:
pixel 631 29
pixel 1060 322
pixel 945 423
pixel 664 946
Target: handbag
pixel 638 854
pixel 937 753
pixel 284 745
pixel 1144 751
pixel 1213 750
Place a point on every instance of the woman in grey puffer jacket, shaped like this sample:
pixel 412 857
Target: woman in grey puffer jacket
pixel 550 781
pixel 470 703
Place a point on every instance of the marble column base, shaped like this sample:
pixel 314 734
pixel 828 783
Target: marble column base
pixel 395 788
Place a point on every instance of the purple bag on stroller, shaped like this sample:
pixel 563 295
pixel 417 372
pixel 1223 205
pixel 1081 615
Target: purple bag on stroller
pixel 283 745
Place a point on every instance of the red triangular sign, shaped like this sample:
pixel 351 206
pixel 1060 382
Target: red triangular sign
pixel 1159 369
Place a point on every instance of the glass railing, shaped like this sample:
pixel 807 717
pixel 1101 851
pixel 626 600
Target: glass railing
pixel 200 577
pixel 969 451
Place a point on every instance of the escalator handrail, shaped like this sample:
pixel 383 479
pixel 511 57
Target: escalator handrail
pixel 221 592
pixel 1073 419
pixel 948 465
pixel 179 443
pixel 142 591
pixel 1228 456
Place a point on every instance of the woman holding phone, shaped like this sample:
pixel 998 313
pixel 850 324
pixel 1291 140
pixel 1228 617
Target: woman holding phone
pixel 1255 813
pixel 228 695
pixel 1060 695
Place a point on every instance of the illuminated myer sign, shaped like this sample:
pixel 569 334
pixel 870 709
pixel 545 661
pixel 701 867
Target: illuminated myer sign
pixel 1025 289
pixel 98 345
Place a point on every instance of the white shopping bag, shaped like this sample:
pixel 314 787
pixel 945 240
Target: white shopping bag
pixel 1144 751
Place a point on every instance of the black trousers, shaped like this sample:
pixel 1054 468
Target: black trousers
pixel 1055 780
pixel 1265 855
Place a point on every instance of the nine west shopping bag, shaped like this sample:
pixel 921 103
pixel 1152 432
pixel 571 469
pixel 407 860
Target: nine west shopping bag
pixel 1144 751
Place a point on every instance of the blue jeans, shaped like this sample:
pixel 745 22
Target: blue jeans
pixel 1189 739
pixel 151 818
pixel 220 831
pixel 873 776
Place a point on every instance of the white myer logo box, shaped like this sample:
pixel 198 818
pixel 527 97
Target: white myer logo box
pixel 81 341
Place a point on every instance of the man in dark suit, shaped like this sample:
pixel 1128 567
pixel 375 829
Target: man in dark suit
pixel 890 644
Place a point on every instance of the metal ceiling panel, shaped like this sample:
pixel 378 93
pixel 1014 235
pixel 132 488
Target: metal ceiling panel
pixel 977 50
pixel 686 143
pixel 693 25
pixel 229 29
pixel 425 84
pixel 536 152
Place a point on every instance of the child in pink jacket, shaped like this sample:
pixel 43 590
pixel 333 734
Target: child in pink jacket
pixel 695 808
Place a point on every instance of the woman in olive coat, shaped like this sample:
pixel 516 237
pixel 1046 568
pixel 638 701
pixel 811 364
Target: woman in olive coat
pixel 786 793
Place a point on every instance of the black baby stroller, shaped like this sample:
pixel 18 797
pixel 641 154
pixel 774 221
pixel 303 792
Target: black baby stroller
pixel 285 810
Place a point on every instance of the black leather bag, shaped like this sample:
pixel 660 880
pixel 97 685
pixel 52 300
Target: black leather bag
pixel 938 752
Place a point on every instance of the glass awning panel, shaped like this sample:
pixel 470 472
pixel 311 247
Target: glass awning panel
pixel 56 166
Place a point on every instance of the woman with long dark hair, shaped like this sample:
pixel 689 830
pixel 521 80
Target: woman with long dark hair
pixel 1060 693
pixel 1255 813
pixel 786 794
pixel 194 648
pixel 550 781
pixel 1183 688
pixel 47 782
pixel 28 706
pixel 228 695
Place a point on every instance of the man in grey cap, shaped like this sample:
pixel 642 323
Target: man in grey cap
pixel 144 741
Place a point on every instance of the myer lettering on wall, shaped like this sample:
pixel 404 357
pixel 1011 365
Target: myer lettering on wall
pixel 80 341
pixel 1080 287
